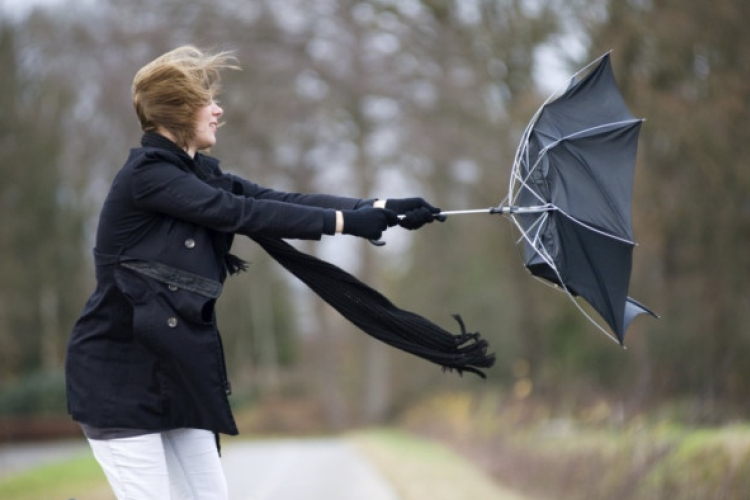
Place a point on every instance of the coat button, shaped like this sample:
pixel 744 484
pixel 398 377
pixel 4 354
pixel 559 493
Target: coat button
pixel 190 243
pixel 172 322
pixel 173 288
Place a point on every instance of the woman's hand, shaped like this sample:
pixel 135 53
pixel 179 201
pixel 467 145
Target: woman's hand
pixel 367 222
pixel 416 212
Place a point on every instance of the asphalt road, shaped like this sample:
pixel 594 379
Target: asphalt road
pixel 282 469
pixel 313 469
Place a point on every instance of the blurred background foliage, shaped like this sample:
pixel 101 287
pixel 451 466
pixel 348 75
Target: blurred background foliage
pixel 389 98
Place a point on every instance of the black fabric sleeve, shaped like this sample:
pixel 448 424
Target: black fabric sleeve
pixel 162 187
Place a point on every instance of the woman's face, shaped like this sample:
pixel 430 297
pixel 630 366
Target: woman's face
pixel 207 121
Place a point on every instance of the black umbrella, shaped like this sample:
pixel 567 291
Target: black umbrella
pixel 570 195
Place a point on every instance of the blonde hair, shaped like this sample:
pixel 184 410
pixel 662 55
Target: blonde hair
pixel 169 91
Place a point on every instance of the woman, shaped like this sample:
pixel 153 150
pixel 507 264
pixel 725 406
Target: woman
pixel 145 367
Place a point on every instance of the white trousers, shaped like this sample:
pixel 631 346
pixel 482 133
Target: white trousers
pixel 181 464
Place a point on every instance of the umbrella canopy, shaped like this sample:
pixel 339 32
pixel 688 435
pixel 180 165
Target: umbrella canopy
pixel 571 194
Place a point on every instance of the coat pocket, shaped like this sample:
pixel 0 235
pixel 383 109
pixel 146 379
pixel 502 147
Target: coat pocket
pixel 192 307
pixel 155 301
pixel 176 325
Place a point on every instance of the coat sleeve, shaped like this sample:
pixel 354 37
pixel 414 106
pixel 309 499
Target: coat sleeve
pixel 253 190
pixel 162 187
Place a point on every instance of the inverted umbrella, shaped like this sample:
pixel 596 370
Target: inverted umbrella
pixel 570 195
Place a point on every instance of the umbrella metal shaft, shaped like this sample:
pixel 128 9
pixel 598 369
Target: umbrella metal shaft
pixel 490 210
pixel 502 210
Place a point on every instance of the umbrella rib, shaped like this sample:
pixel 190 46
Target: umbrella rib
pixel 590 318
pixel 522 180
pixel 521 151
pixel 547 258
pixel 594 229
pixel 586 131
pixel 537 228
pixel 532 241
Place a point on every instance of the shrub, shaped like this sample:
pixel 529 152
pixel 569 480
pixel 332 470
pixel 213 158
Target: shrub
pixel 38 393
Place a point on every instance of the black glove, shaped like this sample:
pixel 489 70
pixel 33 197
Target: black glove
pixel 416 211
pixel 403 205
pixel 368 222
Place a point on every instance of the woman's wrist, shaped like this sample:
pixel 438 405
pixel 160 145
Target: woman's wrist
pixel 379 203
pixel 339 221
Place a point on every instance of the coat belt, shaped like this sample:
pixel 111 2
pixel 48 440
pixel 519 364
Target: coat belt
pixel 164 274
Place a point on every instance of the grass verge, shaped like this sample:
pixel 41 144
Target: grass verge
pixel 419 468
pixel 589 452
pixel 78 478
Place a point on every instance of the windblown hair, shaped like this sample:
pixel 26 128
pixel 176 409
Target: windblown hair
pixel 170 90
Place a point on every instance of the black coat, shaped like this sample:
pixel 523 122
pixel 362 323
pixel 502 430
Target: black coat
pixel 146 353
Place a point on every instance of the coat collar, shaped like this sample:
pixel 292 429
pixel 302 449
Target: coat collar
pixel 154 140
pixel 201 165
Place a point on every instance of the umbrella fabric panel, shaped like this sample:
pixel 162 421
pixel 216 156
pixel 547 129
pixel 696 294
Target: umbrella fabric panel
pixel 591 102
pixel 587 265
pixel 634 308
pixel 591 178
pixel 596 268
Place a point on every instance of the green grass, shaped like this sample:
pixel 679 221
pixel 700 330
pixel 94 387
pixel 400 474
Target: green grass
pixel 79 478
pixel 419 468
